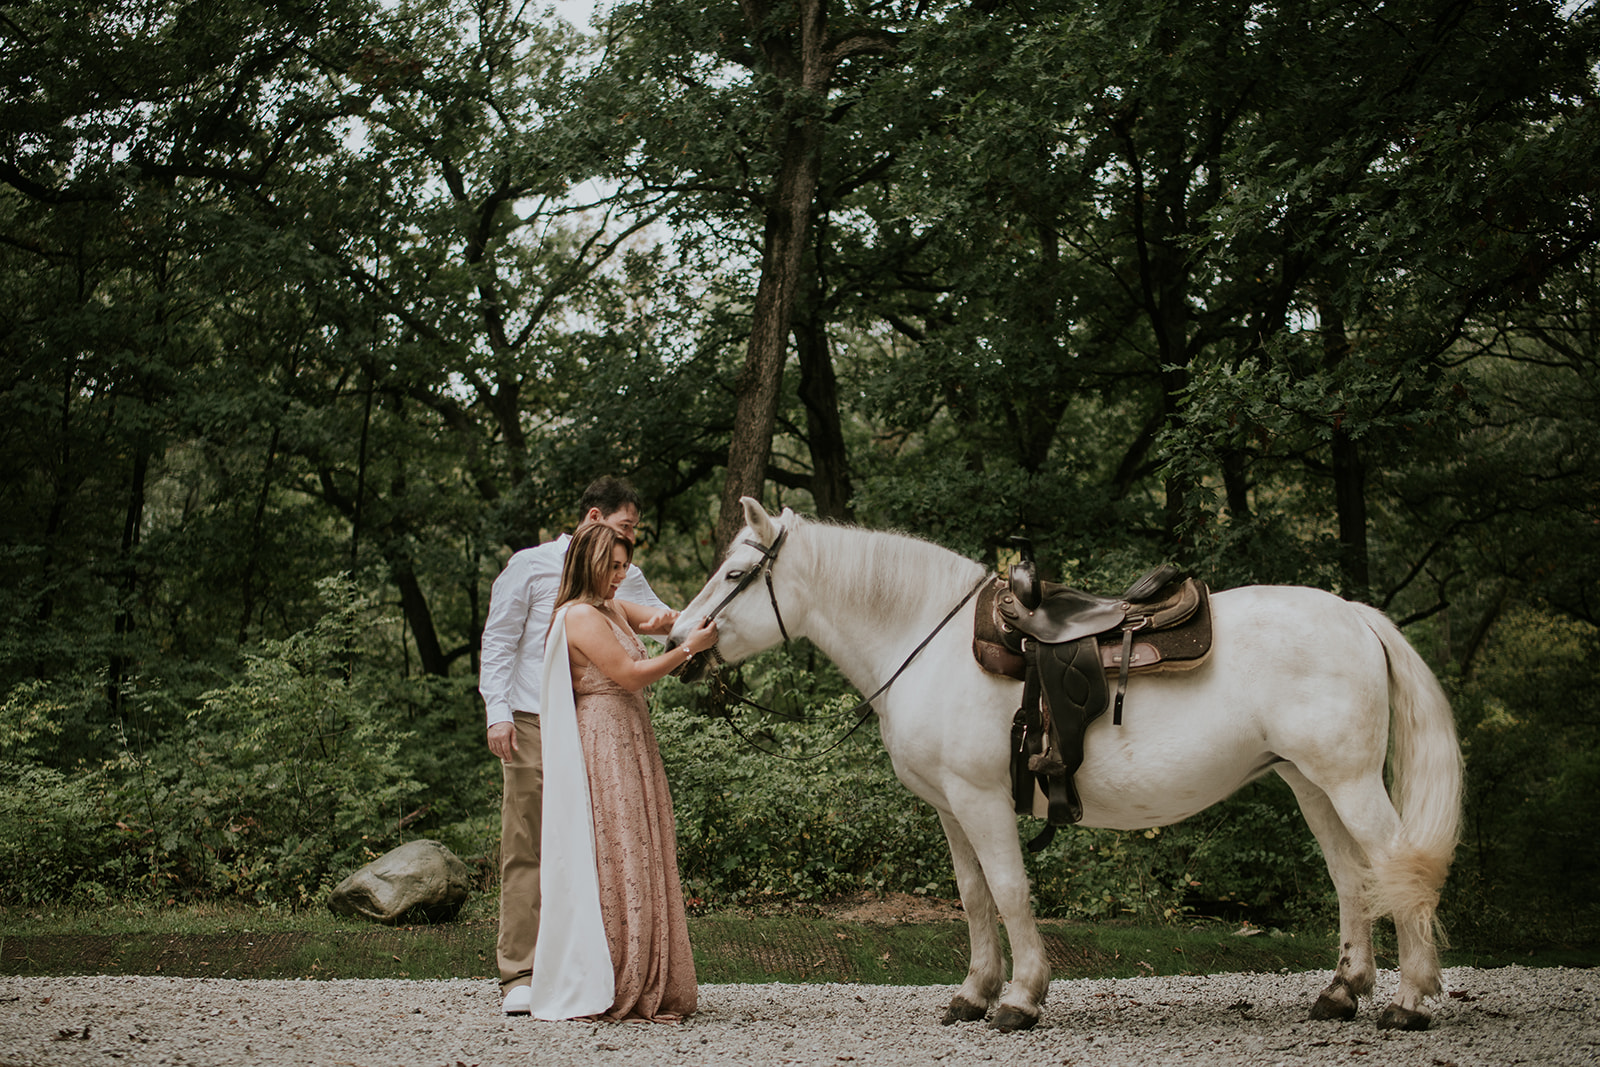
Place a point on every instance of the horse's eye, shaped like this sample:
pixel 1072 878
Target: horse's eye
pixel 734 576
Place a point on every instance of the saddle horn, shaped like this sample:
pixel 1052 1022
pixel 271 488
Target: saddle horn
pixel 1024 576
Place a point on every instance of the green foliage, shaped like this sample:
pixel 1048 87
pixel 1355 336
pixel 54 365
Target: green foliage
pixel 1250 858
pixel 279 784
pixel 757 827
pixel 1529 717
pixel 58 840
pixel 290 774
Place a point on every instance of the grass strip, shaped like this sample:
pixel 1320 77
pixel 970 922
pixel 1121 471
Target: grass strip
pixel 728 948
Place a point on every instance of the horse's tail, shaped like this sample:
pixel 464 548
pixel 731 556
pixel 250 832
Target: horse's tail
pixel 1426 784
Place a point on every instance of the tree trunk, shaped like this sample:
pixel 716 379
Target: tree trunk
pixel 1160 223
pixel 797 53
pixel 1236 483
pixel 59 496
pixel 128 584
pixel 252 561
pixel 414 603
pixel 361 477
pixel 1349 472
pixel 1350 498
pixel 1033 415
pixel 819 392
pixel 759 383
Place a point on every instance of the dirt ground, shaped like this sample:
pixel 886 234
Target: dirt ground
pixel 869 907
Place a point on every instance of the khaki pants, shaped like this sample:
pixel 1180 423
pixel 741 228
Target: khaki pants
pixel 521 808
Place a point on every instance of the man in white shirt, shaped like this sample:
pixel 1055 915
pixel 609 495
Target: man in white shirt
pixel 520 608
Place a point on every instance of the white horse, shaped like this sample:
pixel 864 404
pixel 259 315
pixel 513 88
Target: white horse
pixel 1299 682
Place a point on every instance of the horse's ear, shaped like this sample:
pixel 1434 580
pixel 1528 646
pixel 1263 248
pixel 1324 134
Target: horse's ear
pixel 756 517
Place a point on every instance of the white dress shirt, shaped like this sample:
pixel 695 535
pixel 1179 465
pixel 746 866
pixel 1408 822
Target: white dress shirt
pixel 520 606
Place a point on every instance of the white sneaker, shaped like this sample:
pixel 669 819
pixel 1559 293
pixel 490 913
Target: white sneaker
pixel 519 1001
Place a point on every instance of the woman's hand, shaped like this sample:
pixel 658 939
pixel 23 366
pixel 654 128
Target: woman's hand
pixel 702 637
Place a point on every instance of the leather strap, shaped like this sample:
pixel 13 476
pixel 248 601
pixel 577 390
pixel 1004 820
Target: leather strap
pixel 865 706
pixel 1122 676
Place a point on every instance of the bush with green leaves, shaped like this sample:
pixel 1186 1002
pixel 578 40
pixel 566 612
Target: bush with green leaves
pixel 58 841
pixel 754 826
pixel 277 785
pixel 284 779
pixel 1530 728
pixel 314 759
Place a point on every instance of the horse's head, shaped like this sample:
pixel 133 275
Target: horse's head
pixel 752 595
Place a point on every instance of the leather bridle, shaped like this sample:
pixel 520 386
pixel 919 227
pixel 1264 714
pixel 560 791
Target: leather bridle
pixel 769 555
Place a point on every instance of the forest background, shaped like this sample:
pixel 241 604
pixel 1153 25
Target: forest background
pixel 316 310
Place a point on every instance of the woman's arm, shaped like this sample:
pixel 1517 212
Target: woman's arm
pixel 590 634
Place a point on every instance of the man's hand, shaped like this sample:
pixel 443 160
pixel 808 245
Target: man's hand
pixel 503 740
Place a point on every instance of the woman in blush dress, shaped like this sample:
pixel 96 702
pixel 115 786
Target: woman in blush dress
pixel 613 937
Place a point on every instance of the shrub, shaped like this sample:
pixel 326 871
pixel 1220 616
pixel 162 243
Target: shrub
pixel 58 843
pixel 1528 718
pixel 753 826
pixel 277 785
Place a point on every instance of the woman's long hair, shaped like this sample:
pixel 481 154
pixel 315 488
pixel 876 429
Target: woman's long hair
pixel 586 571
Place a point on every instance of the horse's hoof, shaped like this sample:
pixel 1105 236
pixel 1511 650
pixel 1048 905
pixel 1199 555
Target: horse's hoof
pixel 1008 1019
pixel 962 1010
pixel 1336 1003
pixel 1395 1017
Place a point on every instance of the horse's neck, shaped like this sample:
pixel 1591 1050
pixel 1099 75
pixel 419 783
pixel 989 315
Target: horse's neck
pixel 874 596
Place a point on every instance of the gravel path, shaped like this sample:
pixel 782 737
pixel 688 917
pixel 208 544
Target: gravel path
pixel 1490 1017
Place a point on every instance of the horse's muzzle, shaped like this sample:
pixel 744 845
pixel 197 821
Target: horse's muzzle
pixel 699 667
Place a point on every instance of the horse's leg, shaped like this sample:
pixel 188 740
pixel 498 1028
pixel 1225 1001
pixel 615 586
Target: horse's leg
pixel 1347 865
pixel 987 821
pixel 1403 889
pixel 986 971
pixel 1401 884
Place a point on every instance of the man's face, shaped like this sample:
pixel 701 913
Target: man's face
pixel 625 520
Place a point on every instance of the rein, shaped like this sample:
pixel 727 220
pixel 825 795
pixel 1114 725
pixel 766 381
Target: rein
pixel 769 554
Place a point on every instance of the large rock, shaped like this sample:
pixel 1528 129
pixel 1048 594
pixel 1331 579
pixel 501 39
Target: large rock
pixel 419 881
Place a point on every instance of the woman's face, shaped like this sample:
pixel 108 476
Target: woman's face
pixel 619 568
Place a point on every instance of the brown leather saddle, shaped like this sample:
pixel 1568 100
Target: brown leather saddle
pixel 1061 643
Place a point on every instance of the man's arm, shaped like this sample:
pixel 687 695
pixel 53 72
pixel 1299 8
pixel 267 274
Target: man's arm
pixel 509 601
pixel 653 616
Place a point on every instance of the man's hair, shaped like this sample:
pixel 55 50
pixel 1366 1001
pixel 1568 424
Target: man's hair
pixel 586 570
pixel 610 495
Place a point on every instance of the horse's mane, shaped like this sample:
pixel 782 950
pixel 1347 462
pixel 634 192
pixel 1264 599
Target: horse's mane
pixel 888 572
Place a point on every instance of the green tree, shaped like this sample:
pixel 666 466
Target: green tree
pixel 133 132
pixel 766 89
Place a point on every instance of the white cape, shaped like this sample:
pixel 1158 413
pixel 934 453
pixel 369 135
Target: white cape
pixel 572 974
